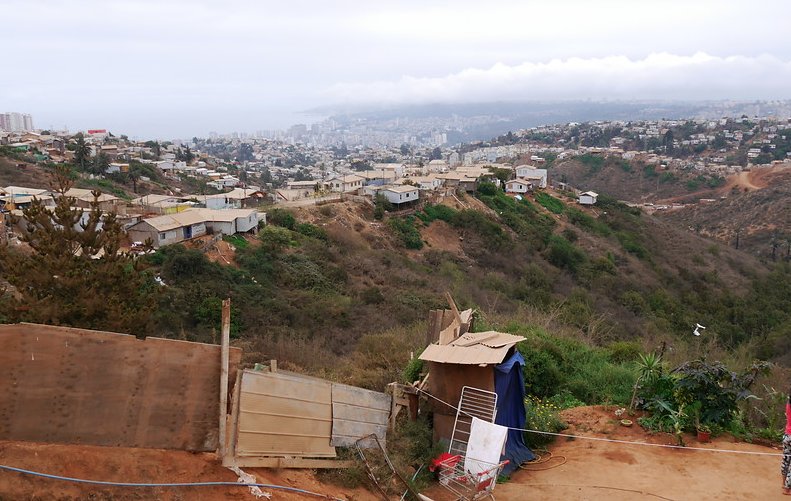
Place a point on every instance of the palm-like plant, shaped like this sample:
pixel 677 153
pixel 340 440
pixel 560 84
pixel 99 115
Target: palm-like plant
pixel 649 367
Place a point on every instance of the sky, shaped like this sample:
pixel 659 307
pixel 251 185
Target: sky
pixel 181 68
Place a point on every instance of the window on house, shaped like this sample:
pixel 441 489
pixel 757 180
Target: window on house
pixel 162 236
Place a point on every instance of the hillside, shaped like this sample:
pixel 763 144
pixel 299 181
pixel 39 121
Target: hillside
pixel 323 278
pixel 758 211
pixel 635 181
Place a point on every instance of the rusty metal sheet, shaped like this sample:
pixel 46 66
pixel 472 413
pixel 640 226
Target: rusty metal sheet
pixel 77 386
pixel 357 412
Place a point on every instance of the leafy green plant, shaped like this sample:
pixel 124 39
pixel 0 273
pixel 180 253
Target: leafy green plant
pixel 542 415
pixel 695 393
pixel 406 231
pixel 549 202
pixel 564 254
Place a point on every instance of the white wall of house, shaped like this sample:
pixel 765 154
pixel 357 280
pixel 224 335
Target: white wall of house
pixel 587 199
pixel 216 203
pixel 531 173
pixel 517 187
pixel 245 224
pixel 400 198
pixel 143 231
pixel 224 227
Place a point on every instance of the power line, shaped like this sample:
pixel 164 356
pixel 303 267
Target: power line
pixel 612 440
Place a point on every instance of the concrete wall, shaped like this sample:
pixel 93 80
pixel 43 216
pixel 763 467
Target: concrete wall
pixel 74 386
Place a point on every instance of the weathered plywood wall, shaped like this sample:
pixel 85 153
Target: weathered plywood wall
pixel 76 386
pixel 284 415
pixel 446 383
pixel 357 412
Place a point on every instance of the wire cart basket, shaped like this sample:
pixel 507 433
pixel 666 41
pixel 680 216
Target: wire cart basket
pixel 468 478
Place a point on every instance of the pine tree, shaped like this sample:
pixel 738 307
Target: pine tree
pixel 82 152
pixel 75 274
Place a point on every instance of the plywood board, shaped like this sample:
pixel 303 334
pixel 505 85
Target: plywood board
pixel 284 415
pixel 357 412
pixel 77 386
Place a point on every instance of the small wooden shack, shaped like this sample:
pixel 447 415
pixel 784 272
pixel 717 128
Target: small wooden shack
pixel 457 358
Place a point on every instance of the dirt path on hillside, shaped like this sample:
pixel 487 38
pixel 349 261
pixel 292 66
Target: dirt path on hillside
pixel 610 471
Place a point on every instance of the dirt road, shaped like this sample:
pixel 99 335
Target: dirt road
pixel 592 471
pixel 617 472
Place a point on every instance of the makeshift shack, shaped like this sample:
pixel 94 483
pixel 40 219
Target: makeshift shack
pixel 484 360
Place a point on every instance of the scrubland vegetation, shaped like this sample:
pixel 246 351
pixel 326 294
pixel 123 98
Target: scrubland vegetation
pixel 337 293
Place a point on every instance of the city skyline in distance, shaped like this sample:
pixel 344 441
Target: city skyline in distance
pixel 182 69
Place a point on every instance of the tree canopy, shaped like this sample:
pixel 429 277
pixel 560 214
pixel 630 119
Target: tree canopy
pixel 75 273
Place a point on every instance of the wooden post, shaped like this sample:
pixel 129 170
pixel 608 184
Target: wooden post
pixel 225 340
pixel 230 450
pixel 453 307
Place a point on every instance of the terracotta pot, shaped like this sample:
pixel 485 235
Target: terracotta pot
pixel 704 436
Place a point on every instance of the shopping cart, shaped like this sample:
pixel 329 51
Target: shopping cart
pixel 468 478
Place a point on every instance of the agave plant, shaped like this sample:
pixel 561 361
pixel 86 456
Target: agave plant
pixel 649 366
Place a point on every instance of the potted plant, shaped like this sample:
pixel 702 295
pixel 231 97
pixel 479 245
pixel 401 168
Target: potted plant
pixel 704 433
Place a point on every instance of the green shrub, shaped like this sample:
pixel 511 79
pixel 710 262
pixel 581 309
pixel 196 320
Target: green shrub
pixel 433 212
pixel 593 162
pixel 554 365
pixel 522 217
pixel 634 302
pixel 491 233
pixel 631 244
pixel 412 371
pixel 311 230
pixel 237 241
pixel 549 202
pixel 541 415
pixel 281 217
pixel 372 295
pixel 624 351
pixel 564 254
pixel 406 231
pixel 486 188
pixel 583 220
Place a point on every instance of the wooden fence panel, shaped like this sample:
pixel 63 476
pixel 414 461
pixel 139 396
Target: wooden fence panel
pixel 284 415
pixel 77 386
pixel 357 412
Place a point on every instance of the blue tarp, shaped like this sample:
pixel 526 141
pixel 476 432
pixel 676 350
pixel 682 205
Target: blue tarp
pixel 510 389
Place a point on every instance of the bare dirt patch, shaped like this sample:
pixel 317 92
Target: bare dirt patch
pixel 143 466
pixel 441 236
pixel 612 471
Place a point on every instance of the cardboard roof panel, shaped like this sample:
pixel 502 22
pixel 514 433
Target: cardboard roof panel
pixel 468 355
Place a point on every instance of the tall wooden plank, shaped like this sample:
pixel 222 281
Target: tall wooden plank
pixel 224 345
